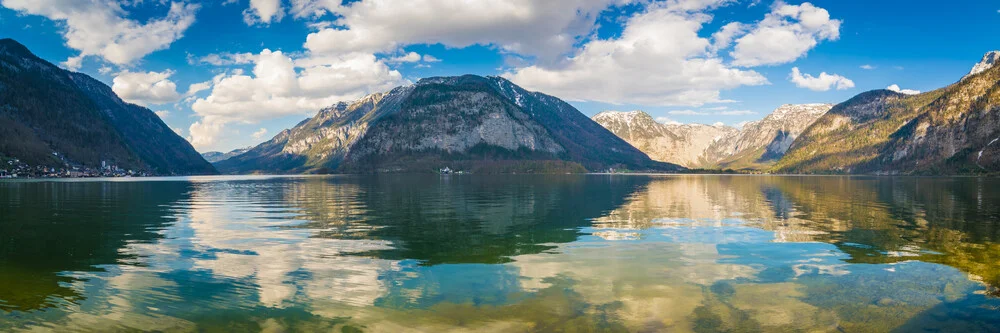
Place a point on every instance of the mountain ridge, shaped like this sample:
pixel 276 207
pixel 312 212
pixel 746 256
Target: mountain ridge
pixel 53 118
pixel 468 122
pixel 951 130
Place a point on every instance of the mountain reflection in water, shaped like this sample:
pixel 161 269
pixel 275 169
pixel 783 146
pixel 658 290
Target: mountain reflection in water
pixel 501 253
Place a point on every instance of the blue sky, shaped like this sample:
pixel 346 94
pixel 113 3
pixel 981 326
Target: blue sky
pixel 228 74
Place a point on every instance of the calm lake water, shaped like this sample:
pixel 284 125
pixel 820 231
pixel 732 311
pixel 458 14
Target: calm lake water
pixel 436 253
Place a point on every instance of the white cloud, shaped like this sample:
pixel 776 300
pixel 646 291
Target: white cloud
pixel 198 87
pixel 203 133
pixel 282 86
pixel 102 28
pixel 716 111
pixel 667 121
pixel 409 57
pixel 868 67
pixel 430 58
pixel 162 114
pixel 785 34
pixel 146 88
pixel 896 88
pixel 223 59
pixel 687 113
pixel 823 82
pixel 178 130
pixel 105 70
pixel 543 29
pixel 659 59
pixel 259 133
pixel 724 37
pixel 736 113
pixel 263 12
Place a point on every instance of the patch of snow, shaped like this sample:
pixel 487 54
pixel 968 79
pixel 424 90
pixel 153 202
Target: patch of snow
pixel 984 149
pixel 988 61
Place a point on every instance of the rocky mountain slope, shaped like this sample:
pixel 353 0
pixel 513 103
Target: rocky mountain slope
pixel 50 117
pixel 756 145
pixel 685 144
pixel 216 156
pixel 761 143
pixel 472 123
pixel 947 131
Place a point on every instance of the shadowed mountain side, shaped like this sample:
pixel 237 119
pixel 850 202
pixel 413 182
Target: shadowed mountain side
pixel 55 118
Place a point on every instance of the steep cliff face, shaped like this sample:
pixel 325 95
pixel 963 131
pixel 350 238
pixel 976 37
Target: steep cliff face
pixel 468 121
pixel 946 131
pixel 756 145
pixel 55 118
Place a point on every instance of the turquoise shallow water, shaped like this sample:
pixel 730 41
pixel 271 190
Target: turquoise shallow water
pixel 429 253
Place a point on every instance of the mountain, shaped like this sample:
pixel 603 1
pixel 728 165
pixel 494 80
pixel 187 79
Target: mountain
pixel 761 143
pixel 988 61
pixel 216 156
pixel 471 123
pixel 684 144
pixel 51 117
pixel 754 146
pixel 952 130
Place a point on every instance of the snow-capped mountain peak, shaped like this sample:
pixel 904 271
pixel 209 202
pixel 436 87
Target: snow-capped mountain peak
pixel 988 61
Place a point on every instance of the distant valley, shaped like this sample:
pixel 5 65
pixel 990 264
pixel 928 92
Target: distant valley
pixel 756 145
pixel 216 156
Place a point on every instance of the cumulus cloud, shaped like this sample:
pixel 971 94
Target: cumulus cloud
pixel 263 12
pixel 162 114
pixel 543 29
pixel 896 88
pixel 282 86
pixel 787 33
pixel 725 36
pixel 198 87
pixel 867 67
pixel 103 29
pixel 823 82
pixel 659 59
pixel 259 133
pixel 146 88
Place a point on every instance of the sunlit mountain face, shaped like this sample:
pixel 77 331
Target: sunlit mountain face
pixel 503 253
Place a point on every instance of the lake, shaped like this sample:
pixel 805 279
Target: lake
pixel 441 253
